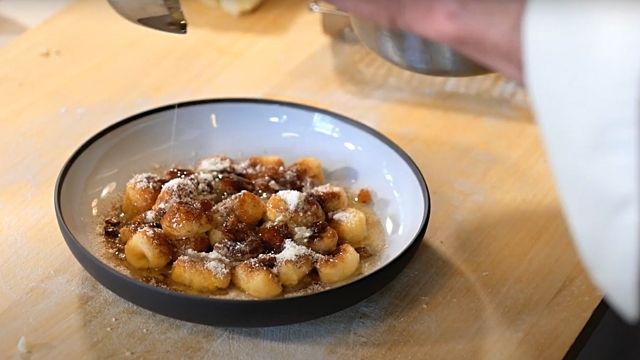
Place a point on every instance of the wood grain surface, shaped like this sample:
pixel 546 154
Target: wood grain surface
pixel 497 277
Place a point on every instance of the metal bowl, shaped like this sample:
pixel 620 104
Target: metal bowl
pixel 414 53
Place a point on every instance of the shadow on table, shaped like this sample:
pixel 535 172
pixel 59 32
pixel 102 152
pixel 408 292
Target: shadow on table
pixel 10 28
pixel 365 73
pixel 437 305
pixel 522 279
pixel 413 305
pixel 361 77
pixel 403 317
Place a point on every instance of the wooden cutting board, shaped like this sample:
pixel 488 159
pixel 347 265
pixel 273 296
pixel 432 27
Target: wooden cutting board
pixel 497 277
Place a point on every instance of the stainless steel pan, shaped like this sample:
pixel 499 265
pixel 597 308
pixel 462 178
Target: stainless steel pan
pixel 407 50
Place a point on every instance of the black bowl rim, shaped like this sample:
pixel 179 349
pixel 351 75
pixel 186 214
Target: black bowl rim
pixel 70 238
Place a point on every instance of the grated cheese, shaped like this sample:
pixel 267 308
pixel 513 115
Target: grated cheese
pixel 293 251
pixel 218 163
pixel 344 216
pixel 291 197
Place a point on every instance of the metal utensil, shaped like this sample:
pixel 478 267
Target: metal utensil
pixel 164 15
pixel 407 50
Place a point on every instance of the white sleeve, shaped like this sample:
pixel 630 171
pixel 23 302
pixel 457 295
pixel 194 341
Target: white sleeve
pixel 582 68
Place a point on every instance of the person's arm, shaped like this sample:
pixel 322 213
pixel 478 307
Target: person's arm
pixel 486 30
pixel 582 66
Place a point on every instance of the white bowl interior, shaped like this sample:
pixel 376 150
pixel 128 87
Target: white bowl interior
pixel 182 135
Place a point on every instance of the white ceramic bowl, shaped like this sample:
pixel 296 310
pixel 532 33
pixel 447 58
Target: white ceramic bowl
pixel 353 155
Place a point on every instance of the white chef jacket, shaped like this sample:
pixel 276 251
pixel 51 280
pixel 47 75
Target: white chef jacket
pixel 582 69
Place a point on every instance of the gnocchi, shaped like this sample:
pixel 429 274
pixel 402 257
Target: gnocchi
pixel 311 168
pixel 330 197
pixel 256 280
pixel 204 272
pixel 148 248
pixel 294 207
pixel 140 194
pixel 350 224
pixel 340 265
pixel 293 263
pixel 325 241
pixel 184 220
pixel 258 226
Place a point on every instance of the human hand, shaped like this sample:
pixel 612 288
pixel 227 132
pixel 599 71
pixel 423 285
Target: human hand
pixel 487 31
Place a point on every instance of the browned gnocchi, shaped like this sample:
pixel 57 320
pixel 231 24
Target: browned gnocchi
pixel 257 226
pixel 140 194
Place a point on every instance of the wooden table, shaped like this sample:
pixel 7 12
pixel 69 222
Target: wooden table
pixel 497 276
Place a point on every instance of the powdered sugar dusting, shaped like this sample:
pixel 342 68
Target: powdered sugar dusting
pixel 150 216
pixel 145 181
pixel 178 189
pixel 344 216
pixel 213 261
pixel 326 188
pixel 204 177
pixel 301 233
pixel 293 251
pixel 179 183
pixel 214 255
pixel 204 180
pixel 217 267
pixel 149 231
pixel 274 185
pixel 291 197
pixel 217 163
